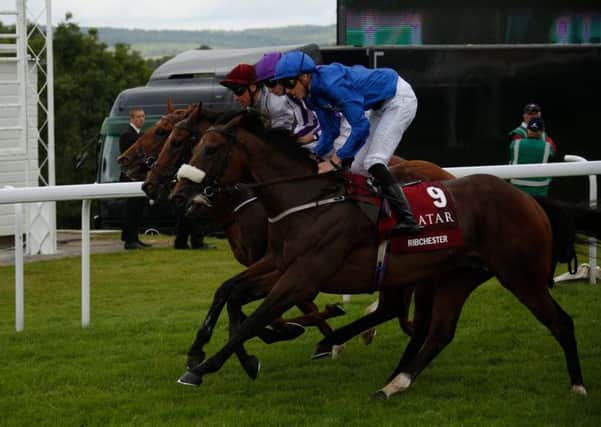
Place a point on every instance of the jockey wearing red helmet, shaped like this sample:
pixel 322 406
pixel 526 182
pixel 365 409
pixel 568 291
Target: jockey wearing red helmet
pixel 242 81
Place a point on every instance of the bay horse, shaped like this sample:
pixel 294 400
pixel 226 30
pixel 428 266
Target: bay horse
pixel 332 248
pixel 137 159
pixel 245 226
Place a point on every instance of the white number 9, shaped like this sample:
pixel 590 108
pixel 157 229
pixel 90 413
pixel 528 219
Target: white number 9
pixel 440 200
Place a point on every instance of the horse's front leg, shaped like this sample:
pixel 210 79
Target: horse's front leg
pixel 290 289
pixel 387 309
pixel 196 353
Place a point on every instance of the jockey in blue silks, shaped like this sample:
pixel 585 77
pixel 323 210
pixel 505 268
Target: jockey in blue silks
pixel 333 88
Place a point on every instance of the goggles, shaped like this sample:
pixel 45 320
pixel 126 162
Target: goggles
pixel 239 90
pixel 268 83
pixel 288 83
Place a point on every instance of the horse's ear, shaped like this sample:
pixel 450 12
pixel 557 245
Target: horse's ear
pixel 196 113
pixel 170 106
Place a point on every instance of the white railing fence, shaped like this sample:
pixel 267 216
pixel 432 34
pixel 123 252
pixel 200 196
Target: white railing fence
pixel 89 192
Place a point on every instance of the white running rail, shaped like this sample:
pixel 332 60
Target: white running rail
pixel 88 192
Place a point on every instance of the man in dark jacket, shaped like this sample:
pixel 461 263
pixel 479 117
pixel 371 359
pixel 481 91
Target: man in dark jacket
pixel 133 206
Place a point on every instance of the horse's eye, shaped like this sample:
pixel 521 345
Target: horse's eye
pixel 210 151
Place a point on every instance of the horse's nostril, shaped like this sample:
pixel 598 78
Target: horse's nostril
pixel 123 160
pixel 171 184
pixel 150 161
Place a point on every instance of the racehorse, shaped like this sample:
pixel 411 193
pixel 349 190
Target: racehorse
pixel 245 223
pixel 332 248
pixel 138 158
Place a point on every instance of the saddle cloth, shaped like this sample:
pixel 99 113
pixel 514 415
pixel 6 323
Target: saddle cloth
pixel 432 206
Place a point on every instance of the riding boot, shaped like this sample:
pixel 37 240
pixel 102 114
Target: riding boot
pixel 406 221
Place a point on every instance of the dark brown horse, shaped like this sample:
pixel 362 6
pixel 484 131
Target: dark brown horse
pixel 245 224
pixel 138 158
pixel 332 249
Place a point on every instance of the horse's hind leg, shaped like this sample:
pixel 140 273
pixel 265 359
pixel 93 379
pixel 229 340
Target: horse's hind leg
pixel 447 302
pixel 540 302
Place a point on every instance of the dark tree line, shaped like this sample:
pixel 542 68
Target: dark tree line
pixel 87 78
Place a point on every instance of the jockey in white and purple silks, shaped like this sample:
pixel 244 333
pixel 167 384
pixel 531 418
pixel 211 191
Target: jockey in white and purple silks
pixel 333 88
pixel 306 126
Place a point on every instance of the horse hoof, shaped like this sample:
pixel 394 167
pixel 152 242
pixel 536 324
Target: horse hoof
pixel 252 366
pixel 368 336
pixel 579 389
pixel 379 395
pixel 322 350
pixel 190 378
pixel 337 351
pixel 195 359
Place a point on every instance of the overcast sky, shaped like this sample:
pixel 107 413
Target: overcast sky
pixel 188 14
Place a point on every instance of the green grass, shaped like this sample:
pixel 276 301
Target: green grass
pixel 503 367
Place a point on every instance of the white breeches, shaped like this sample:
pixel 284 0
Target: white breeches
pixel 387 126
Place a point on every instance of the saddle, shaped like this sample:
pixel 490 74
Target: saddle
pixel 432 206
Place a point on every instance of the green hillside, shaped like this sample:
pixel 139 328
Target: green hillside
pixel 158 43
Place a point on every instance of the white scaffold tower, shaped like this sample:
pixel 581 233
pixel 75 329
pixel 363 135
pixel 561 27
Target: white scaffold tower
pixel 27 116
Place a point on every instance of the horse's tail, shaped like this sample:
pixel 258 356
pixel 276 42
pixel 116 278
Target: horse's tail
pixel 585 220
pixel 563 225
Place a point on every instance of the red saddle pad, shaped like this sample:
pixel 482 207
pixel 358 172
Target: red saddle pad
pixel 434 210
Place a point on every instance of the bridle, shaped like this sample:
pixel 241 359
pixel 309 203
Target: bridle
pixel 160 135
pixel 167 170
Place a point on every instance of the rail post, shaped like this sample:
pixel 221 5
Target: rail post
pixel 19 276
pixel 85 262
pixel 592 196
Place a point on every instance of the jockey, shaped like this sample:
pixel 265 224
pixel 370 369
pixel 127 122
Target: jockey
pixel 333 88
pixel 241 80
pixel 306 128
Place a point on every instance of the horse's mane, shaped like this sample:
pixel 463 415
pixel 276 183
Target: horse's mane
pixel 283 141
pixel 279 138
pixel 222 118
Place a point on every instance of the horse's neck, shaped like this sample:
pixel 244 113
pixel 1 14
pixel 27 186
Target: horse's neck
pixel 267 166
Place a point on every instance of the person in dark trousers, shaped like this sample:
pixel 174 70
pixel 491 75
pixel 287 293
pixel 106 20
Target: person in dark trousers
pixel 189 227
pixel 133 206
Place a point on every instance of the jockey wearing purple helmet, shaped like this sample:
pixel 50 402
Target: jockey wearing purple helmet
pixel 306 128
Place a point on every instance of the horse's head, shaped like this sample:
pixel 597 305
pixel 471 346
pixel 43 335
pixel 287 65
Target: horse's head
pixel 136 161
pixel 176 149
pixel 218 160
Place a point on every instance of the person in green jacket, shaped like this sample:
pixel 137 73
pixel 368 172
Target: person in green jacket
pixel 533 148
pixel 530 111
